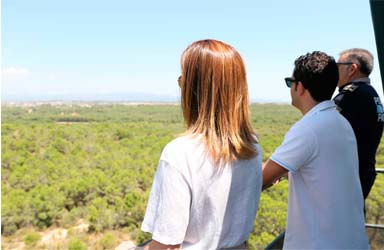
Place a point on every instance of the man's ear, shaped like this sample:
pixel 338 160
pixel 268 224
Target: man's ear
pixel 300 88
pixel 353 68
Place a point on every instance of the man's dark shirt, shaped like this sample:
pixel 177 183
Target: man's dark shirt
pixel 359 103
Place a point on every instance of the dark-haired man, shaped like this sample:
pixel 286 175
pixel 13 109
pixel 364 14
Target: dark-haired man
pixel 325 204
pixel 359 103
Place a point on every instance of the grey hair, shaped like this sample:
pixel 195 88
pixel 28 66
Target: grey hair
pixel 362 57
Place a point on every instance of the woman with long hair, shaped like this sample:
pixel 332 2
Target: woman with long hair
pixel 207 186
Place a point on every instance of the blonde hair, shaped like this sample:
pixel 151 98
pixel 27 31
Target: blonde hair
pixel 214 100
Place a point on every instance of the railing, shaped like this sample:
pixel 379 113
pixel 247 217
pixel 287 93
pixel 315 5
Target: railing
pixel 278 242
pixel 378 226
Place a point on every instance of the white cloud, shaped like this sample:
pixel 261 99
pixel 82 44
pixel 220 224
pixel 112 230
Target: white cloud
pixel 15 72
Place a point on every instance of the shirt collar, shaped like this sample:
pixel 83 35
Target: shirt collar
pixel 365 80
pixel 324 105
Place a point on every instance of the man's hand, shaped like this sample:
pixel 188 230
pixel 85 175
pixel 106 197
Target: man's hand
pixel 155 245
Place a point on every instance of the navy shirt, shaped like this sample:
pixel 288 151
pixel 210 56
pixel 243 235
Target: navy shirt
pixel 360 104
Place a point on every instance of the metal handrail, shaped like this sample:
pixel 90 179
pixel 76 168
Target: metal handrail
pixel 144 243
pixel 277 243
pixel 378 226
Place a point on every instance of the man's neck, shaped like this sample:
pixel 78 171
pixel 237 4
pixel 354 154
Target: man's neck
pixel 353 78
pixel 307 106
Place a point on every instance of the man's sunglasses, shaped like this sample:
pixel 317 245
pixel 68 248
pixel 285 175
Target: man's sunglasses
pixel 289 81
pixel 345 63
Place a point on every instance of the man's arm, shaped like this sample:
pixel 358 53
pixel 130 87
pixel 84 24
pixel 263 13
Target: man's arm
pixel 271 172
pixel 155 245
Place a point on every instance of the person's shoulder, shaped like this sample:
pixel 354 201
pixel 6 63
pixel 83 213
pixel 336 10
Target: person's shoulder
pixel 356 88
pixel 366 89
pixel 303 130
pixel 257 147
pixel 358 95
pixel 312 126
pixel 259 153
pixel 352 91
pixel 351 88
pixel 302 125
pixel 181 143
pixel 365 97
pixel 179 149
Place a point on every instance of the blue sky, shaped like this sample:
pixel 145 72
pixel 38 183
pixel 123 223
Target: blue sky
pixel 131 49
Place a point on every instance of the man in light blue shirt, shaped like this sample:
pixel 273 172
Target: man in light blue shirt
pixel 319 153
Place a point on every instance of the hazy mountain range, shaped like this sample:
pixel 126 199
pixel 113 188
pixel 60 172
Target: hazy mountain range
pixel 108 97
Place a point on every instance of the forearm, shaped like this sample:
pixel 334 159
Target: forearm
pixel 272 172
pixel 155 245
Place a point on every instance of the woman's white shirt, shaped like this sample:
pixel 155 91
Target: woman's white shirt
pixel 200 205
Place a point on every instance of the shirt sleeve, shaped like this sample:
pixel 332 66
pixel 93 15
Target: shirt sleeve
pixel 168 208
pixel 299 148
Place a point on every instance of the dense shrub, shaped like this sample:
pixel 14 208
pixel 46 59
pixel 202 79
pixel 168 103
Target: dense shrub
pixel 65 163
pixel 31 239
pixel 76 244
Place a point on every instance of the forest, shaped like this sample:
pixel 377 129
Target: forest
pixel 94 163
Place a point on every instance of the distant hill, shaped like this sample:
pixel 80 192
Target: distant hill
pixel 116 97
pixel 108 97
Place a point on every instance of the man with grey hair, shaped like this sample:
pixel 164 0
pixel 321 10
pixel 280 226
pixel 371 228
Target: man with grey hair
pixel 359 103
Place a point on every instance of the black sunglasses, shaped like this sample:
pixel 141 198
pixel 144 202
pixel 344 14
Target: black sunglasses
pixel 345 63
pixel 289 81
